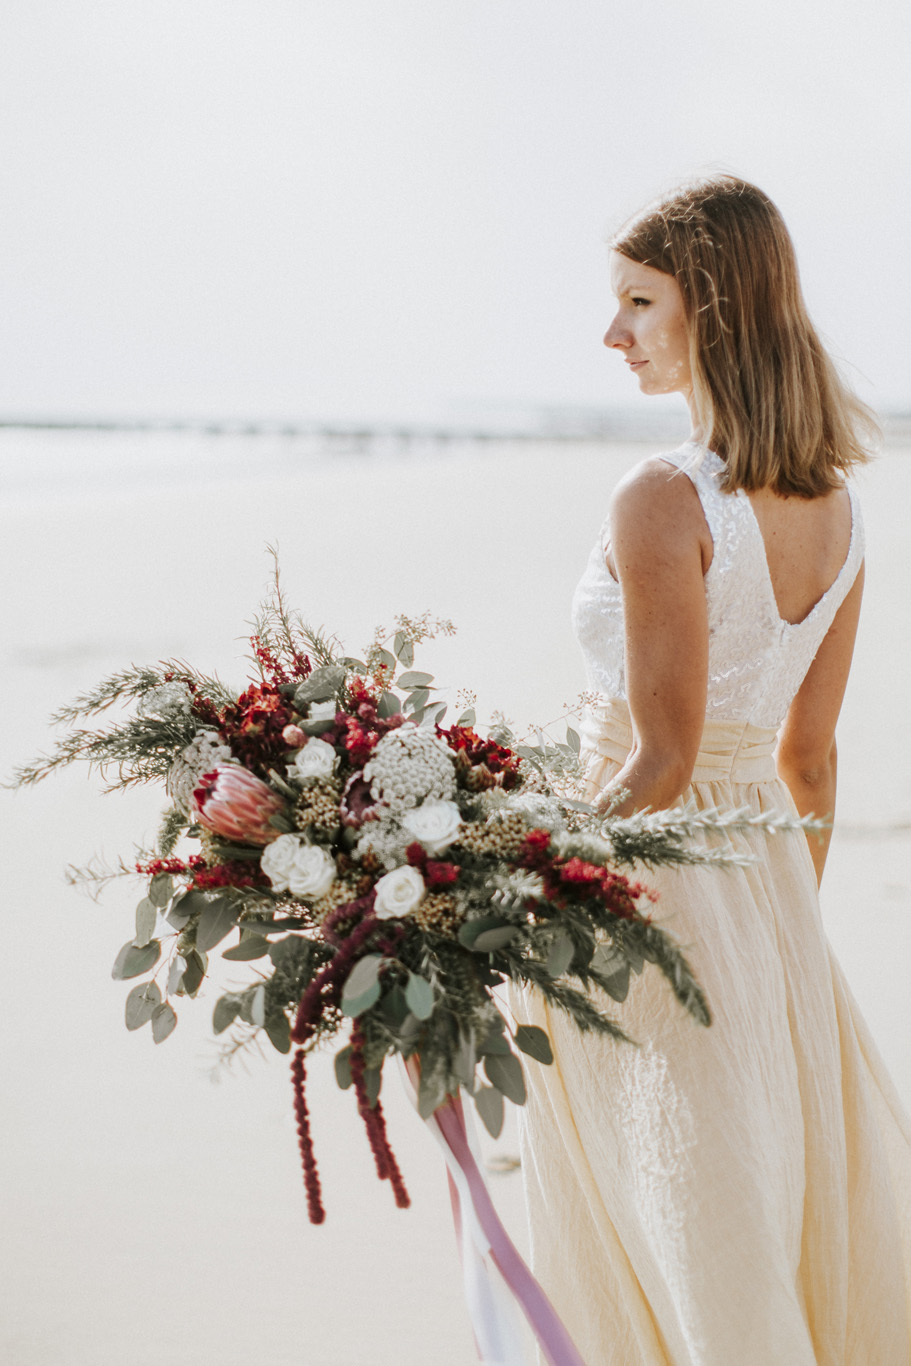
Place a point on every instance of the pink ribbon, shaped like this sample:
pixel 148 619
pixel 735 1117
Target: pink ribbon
pixel 496 1277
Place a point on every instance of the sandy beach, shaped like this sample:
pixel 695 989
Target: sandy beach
pixel 150 1214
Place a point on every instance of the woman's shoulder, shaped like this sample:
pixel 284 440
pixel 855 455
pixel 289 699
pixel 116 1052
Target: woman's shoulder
pixel 653 505
pixel 655 483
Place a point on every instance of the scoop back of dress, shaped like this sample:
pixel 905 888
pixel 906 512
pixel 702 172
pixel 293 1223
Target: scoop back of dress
pixel 757 661
pixel 738 1195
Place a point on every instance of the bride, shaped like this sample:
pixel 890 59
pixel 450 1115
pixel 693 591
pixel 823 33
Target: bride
pixel 738 1195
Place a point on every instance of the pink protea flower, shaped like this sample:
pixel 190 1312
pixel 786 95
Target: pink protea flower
pixel 232 802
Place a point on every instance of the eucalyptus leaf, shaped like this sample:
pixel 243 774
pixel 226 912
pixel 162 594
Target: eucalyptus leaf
pixel 388 705
pixel 560 955
pixel 434 714
pixel 164 1022
pixel 161 889
pixel 343 1067
pixel 146 920
pixel 394 1007
pixel 194 972
pixel 488 941
pixel 141 1003
pixel 399 641
pixel 217 920
pixel 258 1005
pixel 495 1043
pixel 431 1094
pixel 573 740
pixel 317 727
pixel 356 1005
pixel 490 1107
pixel 251 946
pixel 133 960
pixel 419 996
pixel 384 657
pixel 175 973
pixel 468 718
pixel 465 1058
pixel 470 931
pixel 322 685
pixel 176 917
pixel 416 701
pixel 362 976
pixel 414 680
pixel 373 1081
pixel 225 1012
pixel 406 654
pixel 613 966
pixel 634 955
pixel 188 904
pixel 355 665
pixel 535 1043
pixel 504 1071
pixel 278 1032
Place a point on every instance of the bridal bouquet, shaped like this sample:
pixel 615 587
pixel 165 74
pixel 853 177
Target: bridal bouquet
pixel 380 870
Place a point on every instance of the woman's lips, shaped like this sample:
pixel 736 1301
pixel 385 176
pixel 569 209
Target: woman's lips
pixel 636 364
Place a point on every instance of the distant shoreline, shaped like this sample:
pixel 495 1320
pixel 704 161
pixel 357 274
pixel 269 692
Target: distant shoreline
pixel 557 425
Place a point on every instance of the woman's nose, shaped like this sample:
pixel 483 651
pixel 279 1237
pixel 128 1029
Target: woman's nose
pixel 617 335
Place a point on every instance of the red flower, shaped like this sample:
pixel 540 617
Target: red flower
pixel 440 874
pixel 171 865
pixel 253 726
pixel 497 758
pixel 234 874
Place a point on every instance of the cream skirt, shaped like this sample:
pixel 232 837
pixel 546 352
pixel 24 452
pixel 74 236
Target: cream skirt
pixel 738 1195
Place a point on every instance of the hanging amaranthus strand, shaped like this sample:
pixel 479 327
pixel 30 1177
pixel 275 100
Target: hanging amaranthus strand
pixel 387 1169
pixel 305 1140
pixel 326 988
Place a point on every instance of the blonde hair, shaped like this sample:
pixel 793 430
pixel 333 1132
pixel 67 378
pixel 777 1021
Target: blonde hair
pixel 767 396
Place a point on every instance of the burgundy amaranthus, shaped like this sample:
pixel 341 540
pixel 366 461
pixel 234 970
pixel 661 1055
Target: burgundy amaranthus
pixel 387 1169
pixel 325 992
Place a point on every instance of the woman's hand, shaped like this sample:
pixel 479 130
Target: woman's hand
pixel 660 548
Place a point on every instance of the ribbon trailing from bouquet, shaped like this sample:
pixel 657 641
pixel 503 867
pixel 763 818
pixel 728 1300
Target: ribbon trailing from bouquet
pixel 497 1281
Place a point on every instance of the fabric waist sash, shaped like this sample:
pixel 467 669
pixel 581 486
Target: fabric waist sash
pixel 729 750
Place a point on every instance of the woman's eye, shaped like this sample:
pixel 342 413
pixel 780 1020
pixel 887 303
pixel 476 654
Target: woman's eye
pixel 640 303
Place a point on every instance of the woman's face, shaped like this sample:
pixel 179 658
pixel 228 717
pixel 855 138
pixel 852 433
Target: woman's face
pixel 649 327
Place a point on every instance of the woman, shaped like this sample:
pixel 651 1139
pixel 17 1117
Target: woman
pixel 738 1195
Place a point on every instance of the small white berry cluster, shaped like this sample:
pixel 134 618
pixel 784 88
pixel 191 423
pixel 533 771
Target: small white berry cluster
pixel 410 766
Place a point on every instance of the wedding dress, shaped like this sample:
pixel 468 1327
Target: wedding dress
pixel 737 1195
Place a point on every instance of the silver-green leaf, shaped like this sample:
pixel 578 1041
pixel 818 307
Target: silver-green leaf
pixel 217 920
pixel 490 1107
pixel 535 1043
pixel 133 960
pixel 504 1071
pixel 560 956
pixel 141 1003
pixel 164 1022
pixel 419 996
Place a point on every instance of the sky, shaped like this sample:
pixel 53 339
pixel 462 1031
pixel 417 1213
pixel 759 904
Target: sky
pixel 396 209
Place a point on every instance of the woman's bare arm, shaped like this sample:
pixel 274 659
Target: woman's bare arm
pixel 806 755
pixel 660 547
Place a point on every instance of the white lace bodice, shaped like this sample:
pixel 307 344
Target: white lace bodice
pixel 757 661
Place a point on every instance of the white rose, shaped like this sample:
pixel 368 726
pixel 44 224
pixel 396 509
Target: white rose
pixel 313 872
pixel 436 824
pixel 293 866
pixel 278 859
pixel 317 759
pixel 398 892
